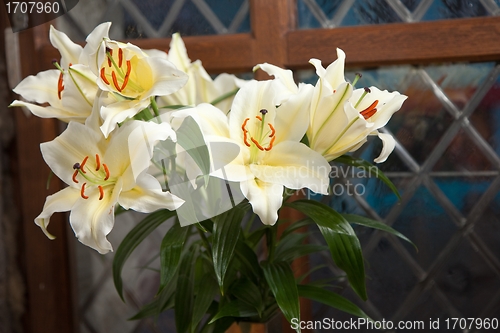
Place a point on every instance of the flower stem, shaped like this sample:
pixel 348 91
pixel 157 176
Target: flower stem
pixel 271 242
pixel 154 106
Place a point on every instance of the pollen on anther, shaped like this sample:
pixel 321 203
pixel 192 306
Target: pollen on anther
pixel 270 144
pixel 125 80
pixel 74 176
pixel 257 144
pixel 120 57
pixel 82 191
pixel 273 131
pixel 103 76
pixel 97 162
pixel 106 170
pixel 115 81
pixel 101 192
pixel 83 164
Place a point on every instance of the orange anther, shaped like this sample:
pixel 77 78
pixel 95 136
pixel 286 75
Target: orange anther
pixel 103 76
pixel 83 164
pixel 115 81
pixel 82 191
pixel 60 85
pixel 106 170
pixel 257 144
pixel 369 111
pixel 125 80
pixel 120 57
pixel 74 176
pixel 259 117
pixel 245 124
pixel 273 131
pixel 270 144
pixel 97 162
pixel 101 192
pixel 109 57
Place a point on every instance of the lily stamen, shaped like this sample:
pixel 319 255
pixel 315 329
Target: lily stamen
pixel 369 111
pixel 82 191
pixel 101 192
pixel 83 164
pixel 106 170
pixel 367 90
pixel 97 162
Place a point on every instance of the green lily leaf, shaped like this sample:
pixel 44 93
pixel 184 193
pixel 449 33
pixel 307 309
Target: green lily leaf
pixel 225 96
pixel 225 237
pixel 368 167
pixel 343 243
pixel 249 293
pixel 170 252
pixel 331 299
pixel 132 240
pixel 235 308
pixel 206 290
pixel 279 276
pixel 184 293
pixel 367 222
pixel 163 301
pixel 249 263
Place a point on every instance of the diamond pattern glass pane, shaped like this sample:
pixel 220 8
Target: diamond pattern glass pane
pixel 446 166
pixel 337 13
pixel 157 18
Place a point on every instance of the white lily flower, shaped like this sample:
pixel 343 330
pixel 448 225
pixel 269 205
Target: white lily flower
pixel 200 87
pixel 268 131
pixel 341 119
pixel 101 173
pixel 130 74
pixel 69 90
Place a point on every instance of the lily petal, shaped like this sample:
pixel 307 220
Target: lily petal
pixel 147 196
pixel 295 166
pixel 93 219
pixel 70 52
pixel 388 146
pixel 61 201
pixel 265 198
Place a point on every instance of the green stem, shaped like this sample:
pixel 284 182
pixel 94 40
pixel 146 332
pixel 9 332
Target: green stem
pixel 154 106
pixel 271 242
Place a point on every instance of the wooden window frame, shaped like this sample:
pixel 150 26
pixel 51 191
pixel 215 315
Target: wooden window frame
pixel 48 265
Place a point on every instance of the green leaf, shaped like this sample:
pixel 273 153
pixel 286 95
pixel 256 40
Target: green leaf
pixel 170 252
pixel 190 138
pixel 225 96
pixel 343 243
pixel 249 263
pixel 206 290
pixel 279 276
pixel 370 223
pixel 331 299
pixel 236 309
pixel 184 293
pixel 163 301
pixel 132 240
pixel 226 231
pixel 368 167
pixel 247 292
pixel 293 247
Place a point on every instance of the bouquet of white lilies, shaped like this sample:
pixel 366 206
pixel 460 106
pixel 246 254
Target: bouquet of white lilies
pixel 152 132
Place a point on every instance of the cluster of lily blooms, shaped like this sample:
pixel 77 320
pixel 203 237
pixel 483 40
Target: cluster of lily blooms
pixel 111 93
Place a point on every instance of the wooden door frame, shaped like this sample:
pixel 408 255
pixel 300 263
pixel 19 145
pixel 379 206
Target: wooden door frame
pixel 48 264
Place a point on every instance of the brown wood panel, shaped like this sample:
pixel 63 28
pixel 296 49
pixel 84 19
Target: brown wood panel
pixel 474 39
pixel 46 264
pixel 219 53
